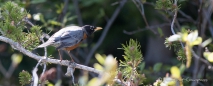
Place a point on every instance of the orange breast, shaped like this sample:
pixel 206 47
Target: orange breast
pixel 75 46
pixel 85 36
pixel 72 47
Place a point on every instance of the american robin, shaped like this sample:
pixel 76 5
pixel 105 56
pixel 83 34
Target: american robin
pixel 69 38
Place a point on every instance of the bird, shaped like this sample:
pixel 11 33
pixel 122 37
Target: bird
pixel 69 38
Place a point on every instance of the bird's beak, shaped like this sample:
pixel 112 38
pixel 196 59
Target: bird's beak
pixel 98 28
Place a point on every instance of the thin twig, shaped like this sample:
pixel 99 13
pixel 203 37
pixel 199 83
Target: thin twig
pixel 119 82
pixel 20 48
pixel 205 14
pixel 45 48
pixel 10 70
pixel 78 13
pixel 64 11
pixel 199 50
pixel 185 15
pixel 35 77
pixel 209 21
pixel 147 28
pixel 174 18
pixel 44 35
pixel 210 67
pixel 140 7
pixel 106 29
pixel 3 70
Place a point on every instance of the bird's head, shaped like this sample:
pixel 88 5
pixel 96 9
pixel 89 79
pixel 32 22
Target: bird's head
pixel 90 29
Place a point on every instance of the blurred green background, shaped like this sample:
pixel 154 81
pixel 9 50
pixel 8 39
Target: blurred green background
pixel 56 14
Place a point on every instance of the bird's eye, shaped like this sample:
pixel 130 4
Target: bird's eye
pixel 91 28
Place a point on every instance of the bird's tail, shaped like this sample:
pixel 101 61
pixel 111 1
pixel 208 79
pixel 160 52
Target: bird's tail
pixel 44 44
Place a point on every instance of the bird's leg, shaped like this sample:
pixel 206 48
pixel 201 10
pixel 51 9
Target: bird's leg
pixel 60 55
pixel 70 56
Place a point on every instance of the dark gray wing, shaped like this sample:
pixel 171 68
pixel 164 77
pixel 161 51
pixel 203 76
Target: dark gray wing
pixel 70 38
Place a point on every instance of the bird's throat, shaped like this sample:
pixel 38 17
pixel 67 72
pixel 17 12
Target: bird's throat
pixel 85 36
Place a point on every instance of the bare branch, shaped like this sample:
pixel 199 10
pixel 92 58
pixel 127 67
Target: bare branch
pixel 119 82
pixel 35 77
pixel 147 28
pixel 185 15
pixel 174 18
pixel 3 70
pixel 20 48
pixel 70 71
pixel 45 48
pixel 64 11
pixel 210 67
pixel 106 29
pixel 204 16
pixel 78 13
pixel 140 7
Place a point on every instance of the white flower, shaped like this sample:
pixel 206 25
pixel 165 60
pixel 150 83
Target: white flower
pixel 22 9
pixel 174 37
pixel 192 36
pixel 36 16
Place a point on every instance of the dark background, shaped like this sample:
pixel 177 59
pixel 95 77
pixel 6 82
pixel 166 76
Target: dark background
pixel 98 13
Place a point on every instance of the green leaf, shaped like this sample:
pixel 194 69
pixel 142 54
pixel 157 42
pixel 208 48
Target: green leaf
pixel 24 77
pixel 206 54
pixel 17 58
pixel 58 83
pixel 160 32
pixel 100 58
pixel 142 66
pixel 53 22
pixel 206 42
pixel 37 1
pixel 184 36
pixel 50 84
pixel 92 82
pixel 197 41
pixel 98 66
pixel 182 68
pixel 157 67
pixel 175 71
pixel 209 56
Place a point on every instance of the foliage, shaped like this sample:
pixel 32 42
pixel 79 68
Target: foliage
pixel 164 4
pixel 98 12
pixel 190 40
pixel 181 56
pixel 13 26
pixel 129 67
pixel 208 56
pixel 126 73
pixel 24 78
pixel 108 67
pixel 173 80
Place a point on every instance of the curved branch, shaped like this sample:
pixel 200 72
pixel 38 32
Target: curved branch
pixel 174 18
pixel 78 13
pixel 20 48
